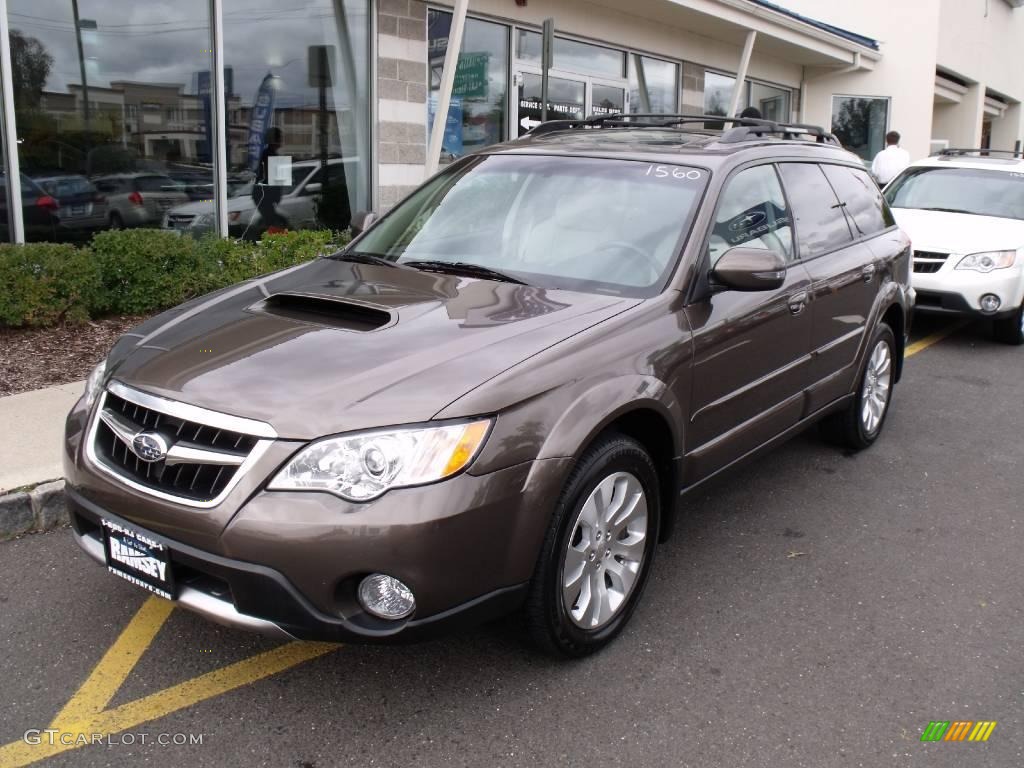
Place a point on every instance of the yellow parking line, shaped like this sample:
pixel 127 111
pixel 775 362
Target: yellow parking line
pixel 935 338
pixel 118 662
pixel 85 713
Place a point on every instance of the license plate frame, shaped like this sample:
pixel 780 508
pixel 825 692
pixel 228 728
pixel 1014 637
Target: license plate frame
pixel 138 558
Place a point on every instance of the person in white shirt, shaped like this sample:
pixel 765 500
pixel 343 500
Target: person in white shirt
pixel 891 160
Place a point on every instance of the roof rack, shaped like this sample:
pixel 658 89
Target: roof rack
pixel 958 152
pixel 744 128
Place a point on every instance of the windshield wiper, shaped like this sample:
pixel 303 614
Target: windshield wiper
pixel 463 268
pixel 948 210
pixel 361 257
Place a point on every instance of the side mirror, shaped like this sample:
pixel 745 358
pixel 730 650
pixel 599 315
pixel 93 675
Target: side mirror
pixel 749 269
pixel 313 188
pixel 362 221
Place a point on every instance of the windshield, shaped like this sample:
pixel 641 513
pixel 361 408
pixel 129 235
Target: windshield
pixel 964 190
pixel 608 226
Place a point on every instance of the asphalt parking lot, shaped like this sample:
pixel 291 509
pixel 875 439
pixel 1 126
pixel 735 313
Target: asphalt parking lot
pixel 814 608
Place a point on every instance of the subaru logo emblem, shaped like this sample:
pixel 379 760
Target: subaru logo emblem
pixel 150 446
pixel 747 221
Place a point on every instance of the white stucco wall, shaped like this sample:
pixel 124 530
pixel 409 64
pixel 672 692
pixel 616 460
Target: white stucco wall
pixel 984 49
pixel 907 31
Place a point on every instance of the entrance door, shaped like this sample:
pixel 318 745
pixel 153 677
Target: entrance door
pixel 570 97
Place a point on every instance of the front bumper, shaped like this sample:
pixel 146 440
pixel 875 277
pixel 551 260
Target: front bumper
pixel 289 563
pixel 255 598
pixel 958 292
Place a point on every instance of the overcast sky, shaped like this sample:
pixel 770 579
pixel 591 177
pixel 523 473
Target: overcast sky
pixel 167 41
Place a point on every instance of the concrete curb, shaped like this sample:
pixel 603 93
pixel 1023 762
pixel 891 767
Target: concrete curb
pixel 39 509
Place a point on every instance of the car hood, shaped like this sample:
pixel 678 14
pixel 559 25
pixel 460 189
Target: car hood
pixel 241 203
pixel 310 372
pixel 959 232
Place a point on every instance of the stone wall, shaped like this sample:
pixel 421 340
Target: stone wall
pixel 401 98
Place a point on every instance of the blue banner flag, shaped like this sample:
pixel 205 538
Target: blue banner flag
pixel 259 122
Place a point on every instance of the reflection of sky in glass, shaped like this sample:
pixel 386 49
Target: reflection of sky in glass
pixel 717 93
pixel 157 41
pixel 168 41
pixel 571 55
pixel 662 79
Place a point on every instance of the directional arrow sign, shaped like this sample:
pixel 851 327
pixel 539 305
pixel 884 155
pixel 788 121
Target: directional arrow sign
pixel 527 123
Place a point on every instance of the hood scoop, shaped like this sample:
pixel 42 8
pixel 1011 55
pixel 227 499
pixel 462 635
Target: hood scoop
pixel 329 311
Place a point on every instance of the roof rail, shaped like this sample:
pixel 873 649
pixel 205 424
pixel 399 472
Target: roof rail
pixel 959 152
pixel 744 128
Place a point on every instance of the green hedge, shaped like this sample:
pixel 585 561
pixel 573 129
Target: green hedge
pixel 137 271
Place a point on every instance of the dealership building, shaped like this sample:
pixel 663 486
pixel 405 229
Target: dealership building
pixel 187 90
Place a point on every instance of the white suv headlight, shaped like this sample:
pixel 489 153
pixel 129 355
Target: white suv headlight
pixel 987 261
pixel 362 466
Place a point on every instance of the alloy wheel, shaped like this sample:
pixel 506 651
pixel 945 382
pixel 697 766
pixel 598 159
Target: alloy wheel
pixel 605 552
pixel 877 386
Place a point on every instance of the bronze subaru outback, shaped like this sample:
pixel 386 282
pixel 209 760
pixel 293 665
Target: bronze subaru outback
pixel 497 397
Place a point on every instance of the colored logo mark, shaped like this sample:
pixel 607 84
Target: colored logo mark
pixel 958 730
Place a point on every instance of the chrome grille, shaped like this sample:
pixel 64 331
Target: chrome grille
pixel 198 461
pixel 929 261
pixel 179 220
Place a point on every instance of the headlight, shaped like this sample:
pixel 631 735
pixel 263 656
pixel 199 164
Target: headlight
pixel 362 466
pixel 986 262
pixel 94 383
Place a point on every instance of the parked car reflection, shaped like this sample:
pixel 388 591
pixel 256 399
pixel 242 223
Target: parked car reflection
pixel 139 199
pixel 304 204
pixel 82 207
pixel 39 211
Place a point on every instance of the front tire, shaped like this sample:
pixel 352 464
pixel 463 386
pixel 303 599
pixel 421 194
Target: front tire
pixel 860 423
pixel 1010 330
pixel 598 551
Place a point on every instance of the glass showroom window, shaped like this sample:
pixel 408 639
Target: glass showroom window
pixel 773 103
pixel 479 101
pixel 112 121
pixel 296 91
pixel 653 85
pixel 571 55
pixel 860 123
pixel 717 93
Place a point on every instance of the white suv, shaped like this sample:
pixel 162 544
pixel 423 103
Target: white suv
pixel 964 213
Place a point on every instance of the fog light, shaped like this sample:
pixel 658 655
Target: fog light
pixel 386 597
pixel 990 302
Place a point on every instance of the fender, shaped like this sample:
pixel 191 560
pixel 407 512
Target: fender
pixel 595 408
pixel 892 294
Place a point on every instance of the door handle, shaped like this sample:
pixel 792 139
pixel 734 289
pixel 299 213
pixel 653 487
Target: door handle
pixel 868 272
pixel 797 302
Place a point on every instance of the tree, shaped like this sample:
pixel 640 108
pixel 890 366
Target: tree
pixel 30 65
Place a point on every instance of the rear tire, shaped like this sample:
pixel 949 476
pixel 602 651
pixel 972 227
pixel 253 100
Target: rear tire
pixel 116 222
pixel 860 423
pixel 598 551
pixel 1010 330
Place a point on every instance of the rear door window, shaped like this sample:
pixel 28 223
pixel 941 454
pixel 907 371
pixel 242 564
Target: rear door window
pixel 752 213
pixel 863 200
pixel 817 213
